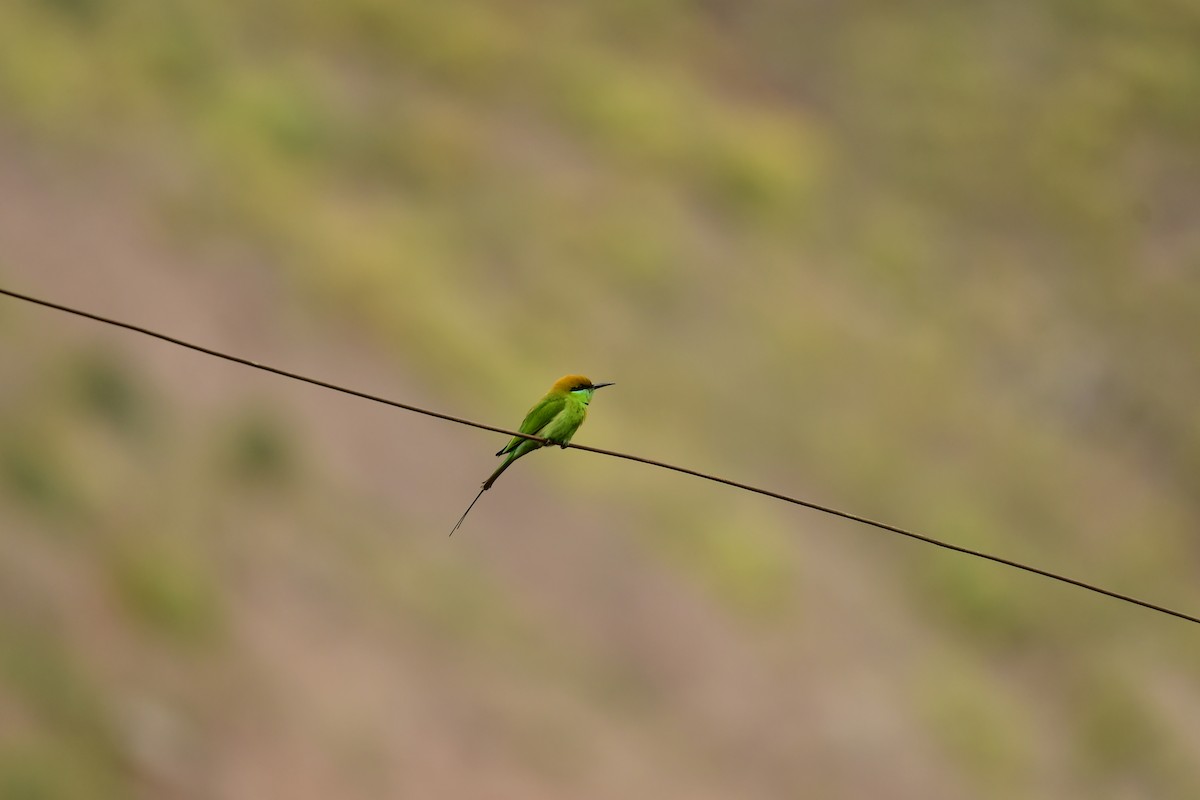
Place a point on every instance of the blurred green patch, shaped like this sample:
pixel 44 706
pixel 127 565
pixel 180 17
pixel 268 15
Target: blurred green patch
pixel 67 431
pixel 52 769
pixel 986 602
pixel 751 161
pixel 87 12
pixel 1120 741
pixel 981 724
pixel 471 47
pixel 738 553
pixel 165 583
pixel 422 144
pixel 258 450
pixel 34 474
pixel 47 678
pixel 105 386
pixel 277 113
pixel 762 166
pixel 1117 732
pixel 459 599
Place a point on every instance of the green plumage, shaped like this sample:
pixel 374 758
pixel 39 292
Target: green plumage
pixel 555 417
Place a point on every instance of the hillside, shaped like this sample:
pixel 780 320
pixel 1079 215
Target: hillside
pixel 936 265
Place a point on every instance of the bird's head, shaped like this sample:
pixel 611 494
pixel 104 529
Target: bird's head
pixel 577 385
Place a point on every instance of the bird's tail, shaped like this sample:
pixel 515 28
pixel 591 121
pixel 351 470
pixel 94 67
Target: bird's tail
pixel 468 511
pixel 486 485
pixel 492 478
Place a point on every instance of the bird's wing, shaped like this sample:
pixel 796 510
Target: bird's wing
pixel 537 418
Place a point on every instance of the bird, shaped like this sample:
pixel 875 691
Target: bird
pixel 555 418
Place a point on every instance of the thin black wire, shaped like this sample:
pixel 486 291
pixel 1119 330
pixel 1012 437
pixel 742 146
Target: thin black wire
pixel 626 456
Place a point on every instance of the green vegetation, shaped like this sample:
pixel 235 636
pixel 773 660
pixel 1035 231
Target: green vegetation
pixel 44 676
pixel 1121 741
pixel 74 755
pixel 981 724
pixel 935 264
pixel 104 386
pixel 164 583
pixel 259 450
pixel 50 770
pixel 741 557
pixel 32 477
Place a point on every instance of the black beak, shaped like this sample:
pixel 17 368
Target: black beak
pixel 601 385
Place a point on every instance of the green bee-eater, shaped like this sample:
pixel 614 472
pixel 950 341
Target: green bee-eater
pixel 556 417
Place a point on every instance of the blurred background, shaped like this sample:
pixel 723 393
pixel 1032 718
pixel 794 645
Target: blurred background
pixel 937 263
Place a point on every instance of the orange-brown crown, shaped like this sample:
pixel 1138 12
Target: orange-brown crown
pixel 570 383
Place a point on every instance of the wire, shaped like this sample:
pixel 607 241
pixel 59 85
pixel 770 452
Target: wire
pixel 614 454
pixel 264 367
